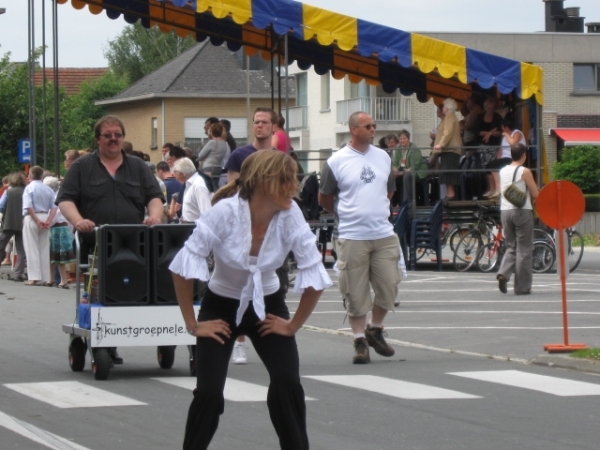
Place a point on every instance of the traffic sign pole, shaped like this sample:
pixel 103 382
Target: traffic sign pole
pixel 560 205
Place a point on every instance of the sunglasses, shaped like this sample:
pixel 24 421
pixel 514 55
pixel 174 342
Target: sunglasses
pixel 110 135
pixel 369 126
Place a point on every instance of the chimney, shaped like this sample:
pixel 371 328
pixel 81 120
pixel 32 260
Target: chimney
pixel 562 20
pixel 593 27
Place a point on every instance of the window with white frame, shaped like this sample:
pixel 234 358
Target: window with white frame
pixel 195 137
pixel 301 89
pixel 325 92
pixel 586 77
pixel 154 143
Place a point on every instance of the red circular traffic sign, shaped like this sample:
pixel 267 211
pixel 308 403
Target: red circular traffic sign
pixel 560 204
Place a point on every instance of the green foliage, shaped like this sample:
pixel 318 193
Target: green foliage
pixel 580 165
pixel 592 202
pixel 77 115
pixel 81 113
pixel 139 51
pixel 14 116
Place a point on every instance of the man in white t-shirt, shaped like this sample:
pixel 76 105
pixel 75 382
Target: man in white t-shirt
pixel 356 186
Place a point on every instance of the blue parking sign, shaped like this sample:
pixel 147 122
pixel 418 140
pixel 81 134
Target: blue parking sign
pixel 24 151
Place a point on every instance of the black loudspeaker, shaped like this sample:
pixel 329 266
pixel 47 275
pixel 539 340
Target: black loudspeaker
pixel 166 240
pixel 123 255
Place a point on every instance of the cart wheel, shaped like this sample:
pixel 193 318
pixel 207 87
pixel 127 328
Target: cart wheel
pixel 77 350
pixel 192 350
pixel 166 356
pixel 102 364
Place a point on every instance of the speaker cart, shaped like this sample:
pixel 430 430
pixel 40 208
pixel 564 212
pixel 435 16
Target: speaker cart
pixel 131 297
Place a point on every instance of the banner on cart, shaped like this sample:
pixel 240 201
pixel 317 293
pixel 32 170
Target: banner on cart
pixel 139 326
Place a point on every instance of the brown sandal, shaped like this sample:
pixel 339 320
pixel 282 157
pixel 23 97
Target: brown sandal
pixel 63 286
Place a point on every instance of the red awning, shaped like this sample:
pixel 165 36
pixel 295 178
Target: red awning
pixel 578 136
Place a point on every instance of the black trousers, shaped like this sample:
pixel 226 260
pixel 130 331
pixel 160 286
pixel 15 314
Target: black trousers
pixel 285 398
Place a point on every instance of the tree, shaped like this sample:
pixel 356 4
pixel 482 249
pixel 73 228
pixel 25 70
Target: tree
pixel 580 165
pixel 14 115
pixel 77 114
pixel 81 112
pixel 139 51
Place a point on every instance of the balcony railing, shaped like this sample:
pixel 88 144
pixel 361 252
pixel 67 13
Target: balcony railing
pixel 298 118
pixel 382 109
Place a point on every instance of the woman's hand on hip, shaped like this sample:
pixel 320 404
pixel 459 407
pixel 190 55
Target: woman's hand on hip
pixel 276 325
pixel 213 329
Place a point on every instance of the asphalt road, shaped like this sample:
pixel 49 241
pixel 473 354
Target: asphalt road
pixel 459 379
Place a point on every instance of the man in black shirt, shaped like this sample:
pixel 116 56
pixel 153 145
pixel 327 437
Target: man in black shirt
pixel 108 187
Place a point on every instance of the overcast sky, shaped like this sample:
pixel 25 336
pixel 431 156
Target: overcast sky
pixel 83 37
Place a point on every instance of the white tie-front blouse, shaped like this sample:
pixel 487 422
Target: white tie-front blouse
pixel 226 230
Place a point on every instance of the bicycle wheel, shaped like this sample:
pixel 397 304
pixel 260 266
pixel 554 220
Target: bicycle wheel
pixel 489 256
pixel 423 252
pixel 467 250
pixel 575 249
pixel 543 257
pixel 540 234
pixel 456 235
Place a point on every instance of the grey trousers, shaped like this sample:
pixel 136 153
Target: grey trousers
pixel 517 227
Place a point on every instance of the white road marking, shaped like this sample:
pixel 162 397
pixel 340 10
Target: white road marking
pixel 406 311
pixel 235 390
pixel 550 385
pixel 485 328
pixel 393 388
pixel 72 394
pixel 35 434
pixel 464 302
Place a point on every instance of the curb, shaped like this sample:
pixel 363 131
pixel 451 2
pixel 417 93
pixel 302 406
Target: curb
pixel 558 361
pixel 567 362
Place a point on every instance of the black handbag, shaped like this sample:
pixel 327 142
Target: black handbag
pixel 513 194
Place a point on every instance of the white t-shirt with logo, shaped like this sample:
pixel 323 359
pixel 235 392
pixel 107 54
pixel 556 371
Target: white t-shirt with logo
pixel 360 182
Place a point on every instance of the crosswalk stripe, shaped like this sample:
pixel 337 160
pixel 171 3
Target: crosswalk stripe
pixel 235 390
pixel 35 434
pixel 550 385
pixel 394 388
pixel 72 394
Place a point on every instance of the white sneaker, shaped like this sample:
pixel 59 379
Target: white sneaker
pixel 239 353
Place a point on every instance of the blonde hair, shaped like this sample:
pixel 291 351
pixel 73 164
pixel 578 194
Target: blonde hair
pixel 271 170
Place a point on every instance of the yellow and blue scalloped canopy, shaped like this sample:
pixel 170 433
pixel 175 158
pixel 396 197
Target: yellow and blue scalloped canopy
pixel 328 41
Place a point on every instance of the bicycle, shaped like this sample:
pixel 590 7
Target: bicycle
pixel 450 234
pixel 471 244
pixel 490 255
pixel 575 245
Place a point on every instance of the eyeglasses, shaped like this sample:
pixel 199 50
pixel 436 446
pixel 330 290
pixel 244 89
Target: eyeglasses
pixel 110 135
pixel 369 126
pixel 261 122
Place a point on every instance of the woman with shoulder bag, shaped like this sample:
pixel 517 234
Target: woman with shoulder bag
pixel 517 223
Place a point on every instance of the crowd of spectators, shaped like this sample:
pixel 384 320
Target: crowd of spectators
pixel 469 147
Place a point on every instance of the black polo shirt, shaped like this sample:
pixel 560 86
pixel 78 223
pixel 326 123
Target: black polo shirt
pixel 106 200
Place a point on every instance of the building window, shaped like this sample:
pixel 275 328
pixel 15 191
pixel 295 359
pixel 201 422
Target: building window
pixel 154 144
pixel 195 138
pixel 586 77
pixel 301 89
pixel 325 93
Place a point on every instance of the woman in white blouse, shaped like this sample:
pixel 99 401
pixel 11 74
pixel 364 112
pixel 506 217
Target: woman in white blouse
pixel 251 228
